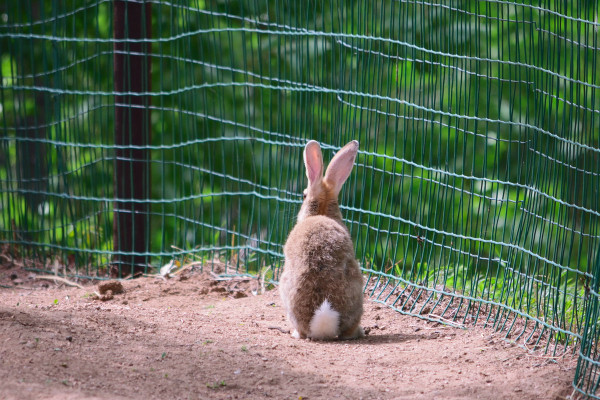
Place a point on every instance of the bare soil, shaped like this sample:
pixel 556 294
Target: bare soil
pixel 193 337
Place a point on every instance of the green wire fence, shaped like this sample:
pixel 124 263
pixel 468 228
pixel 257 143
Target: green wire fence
pixel 142 133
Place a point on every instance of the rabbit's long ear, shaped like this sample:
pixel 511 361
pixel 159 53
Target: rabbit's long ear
pixel 340 166
pixel 313 161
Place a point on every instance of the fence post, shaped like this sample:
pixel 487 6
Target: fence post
pixel 131 227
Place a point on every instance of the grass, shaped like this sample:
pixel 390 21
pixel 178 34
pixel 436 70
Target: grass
pixel 555 300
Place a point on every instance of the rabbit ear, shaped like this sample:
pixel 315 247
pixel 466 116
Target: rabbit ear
pixel 313 161
pixel 340 166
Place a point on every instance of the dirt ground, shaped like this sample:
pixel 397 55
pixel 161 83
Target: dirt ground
pixel 193 337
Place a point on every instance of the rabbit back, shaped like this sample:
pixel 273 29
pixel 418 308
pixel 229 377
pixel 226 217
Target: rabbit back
pixel 320 267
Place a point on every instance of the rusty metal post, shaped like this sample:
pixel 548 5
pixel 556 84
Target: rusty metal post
pixel 131 224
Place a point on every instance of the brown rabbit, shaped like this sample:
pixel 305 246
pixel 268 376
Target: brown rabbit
pixel 321 286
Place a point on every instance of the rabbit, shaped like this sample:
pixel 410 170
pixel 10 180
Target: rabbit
pixel 321 286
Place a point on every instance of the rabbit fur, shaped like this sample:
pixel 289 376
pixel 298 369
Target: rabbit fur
pixel 321 286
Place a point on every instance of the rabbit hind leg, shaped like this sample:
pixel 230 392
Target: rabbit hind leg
pixel 355 332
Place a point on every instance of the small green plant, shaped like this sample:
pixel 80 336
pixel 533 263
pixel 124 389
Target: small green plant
pixel 244 348
pixel 216 385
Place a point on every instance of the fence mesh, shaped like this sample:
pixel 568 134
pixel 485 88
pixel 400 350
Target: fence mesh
pixel 475 195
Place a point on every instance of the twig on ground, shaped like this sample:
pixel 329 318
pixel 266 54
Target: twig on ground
pixel 187 266
pixel 157 276
pixel 216 277
pixel 20 287
pixel 12 260
pixel 59 279
pixel 532 351
pixel 279 329
pixel 442 320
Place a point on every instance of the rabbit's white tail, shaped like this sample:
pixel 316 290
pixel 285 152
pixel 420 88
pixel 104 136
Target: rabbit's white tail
pixel 325 323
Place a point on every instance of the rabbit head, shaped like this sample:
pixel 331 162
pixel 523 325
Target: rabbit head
pixel 321 194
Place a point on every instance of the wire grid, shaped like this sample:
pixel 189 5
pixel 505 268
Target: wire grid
pixel 475 194
pixel 587 374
